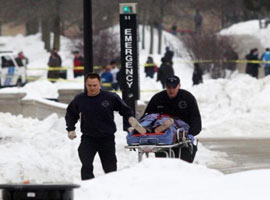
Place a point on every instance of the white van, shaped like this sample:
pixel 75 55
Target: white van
pixel 11 73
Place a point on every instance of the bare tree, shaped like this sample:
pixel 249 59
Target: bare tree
pixel 213 49
pixel 48 13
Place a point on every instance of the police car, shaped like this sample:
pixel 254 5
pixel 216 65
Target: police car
pixel 12 73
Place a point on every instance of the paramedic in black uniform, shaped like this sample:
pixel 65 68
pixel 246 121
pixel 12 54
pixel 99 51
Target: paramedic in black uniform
pixel 95 108
pixel 180 104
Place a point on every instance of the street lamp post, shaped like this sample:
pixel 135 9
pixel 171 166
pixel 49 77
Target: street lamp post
pixel 87 36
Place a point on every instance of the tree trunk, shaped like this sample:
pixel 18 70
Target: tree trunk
pixel 151 38
pixel 56 31
pixel 143 29
pixel 32 27
pixel 143 36
pixel 159 39
pixel 46 37
pixel 160 22
pixel 56 26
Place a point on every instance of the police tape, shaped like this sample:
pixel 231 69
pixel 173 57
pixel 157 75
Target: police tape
pixel 213 61
pixel 63 68
pixel 152 65
pixel 34 78
pixel 231 61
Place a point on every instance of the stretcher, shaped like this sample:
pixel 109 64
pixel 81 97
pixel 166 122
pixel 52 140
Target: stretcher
pixel 181 141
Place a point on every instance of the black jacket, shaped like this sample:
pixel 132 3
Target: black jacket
pixel 252 68
pixel 168 56
pixel 197 76
pixel 97 113
pixel 183 106
pixel 164 71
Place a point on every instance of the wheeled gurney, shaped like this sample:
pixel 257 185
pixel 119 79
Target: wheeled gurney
pixel 182 140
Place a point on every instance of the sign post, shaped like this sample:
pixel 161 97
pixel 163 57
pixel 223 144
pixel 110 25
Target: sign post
pixel 87 36
pixel 129 54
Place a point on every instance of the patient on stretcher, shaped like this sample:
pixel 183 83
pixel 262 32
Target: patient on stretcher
pixel 155 129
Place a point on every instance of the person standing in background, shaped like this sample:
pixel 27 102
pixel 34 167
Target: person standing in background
pixel 198 20
pixel 55 61
pixel 252 67
pixel 114 71
pixel 164 71
pixel 150 67
pixel 21 59
pixel 107 78
pixel 78 63
pixel 197 74
pixel 168 56
pixel 266 58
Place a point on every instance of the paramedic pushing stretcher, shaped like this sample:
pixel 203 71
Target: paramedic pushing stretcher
pixel 180 104
pixel 95 108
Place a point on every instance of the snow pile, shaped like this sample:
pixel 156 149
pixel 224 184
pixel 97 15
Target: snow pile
pixel 237 107
pixel 250 28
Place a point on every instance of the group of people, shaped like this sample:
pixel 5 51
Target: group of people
pixel 166 69
pixel 95 110
pixel 55 64
pixel 108 73
pixel 253 62
pixel 109 76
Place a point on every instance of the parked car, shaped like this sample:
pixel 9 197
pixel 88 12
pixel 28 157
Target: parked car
pixel 11 73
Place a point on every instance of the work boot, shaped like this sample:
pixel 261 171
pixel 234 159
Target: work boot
pixel 136 125
pixel 164 126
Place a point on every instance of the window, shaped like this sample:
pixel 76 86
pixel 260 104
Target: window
pixel 7 61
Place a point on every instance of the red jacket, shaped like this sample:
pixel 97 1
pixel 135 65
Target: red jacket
pixel 78 61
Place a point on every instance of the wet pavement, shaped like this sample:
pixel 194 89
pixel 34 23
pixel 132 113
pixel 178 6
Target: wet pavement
pixel 245 154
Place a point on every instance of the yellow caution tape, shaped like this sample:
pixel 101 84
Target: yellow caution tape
pixel 220 61
pixel 106 84
pixel 63 68
pixel 149 65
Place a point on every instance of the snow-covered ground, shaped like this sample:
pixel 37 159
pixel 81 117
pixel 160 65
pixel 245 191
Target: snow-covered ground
pixel 40 151
pixel 249 28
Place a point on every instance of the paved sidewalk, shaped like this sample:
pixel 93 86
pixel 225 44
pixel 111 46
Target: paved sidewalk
pixel 246 154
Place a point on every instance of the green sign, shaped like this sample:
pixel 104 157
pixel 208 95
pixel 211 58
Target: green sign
pixel 127 9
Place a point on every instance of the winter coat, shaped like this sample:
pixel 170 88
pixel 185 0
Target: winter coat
pixel 78 62
pixel 96 113
pixel 168 56
pixel 150 69
pixel 266 57
pixel 183 106
pixel 106 80
pixel 54 62
pixel 164 71
pixel 252 68
pixel 197 76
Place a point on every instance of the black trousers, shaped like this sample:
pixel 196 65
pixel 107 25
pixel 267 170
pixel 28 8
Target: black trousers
pixel 187 154
pixel 88 148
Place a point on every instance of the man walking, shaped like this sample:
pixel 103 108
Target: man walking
pixel 179 104
pixel 95 108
